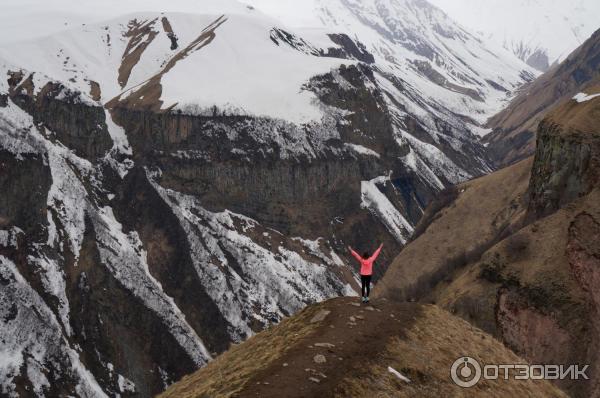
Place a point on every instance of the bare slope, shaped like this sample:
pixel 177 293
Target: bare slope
pixel 484 210
pixel 358 343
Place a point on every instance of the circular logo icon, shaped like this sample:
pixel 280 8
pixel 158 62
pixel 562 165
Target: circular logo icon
pixel 465 372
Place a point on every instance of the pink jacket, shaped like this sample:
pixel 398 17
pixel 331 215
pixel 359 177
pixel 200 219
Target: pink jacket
pixel 366 264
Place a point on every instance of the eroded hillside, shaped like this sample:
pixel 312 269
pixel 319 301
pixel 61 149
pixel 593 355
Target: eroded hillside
pixel 529 276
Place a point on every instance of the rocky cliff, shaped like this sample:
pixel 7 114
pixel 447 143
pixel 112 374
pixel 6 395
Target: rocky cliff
pixel 567 159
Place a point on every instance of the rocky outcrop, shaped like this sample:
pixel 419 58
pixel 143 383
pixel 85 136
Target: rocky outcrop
pixel 24 184
pixel 76 122
pixel 584 258
pixel 348 48
pixel 566 166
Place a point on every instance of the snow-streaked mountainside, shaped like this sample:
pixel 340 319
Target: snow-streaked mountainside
pixel 173 182
pixel 540 32
pixel 413 39
pixel 32 19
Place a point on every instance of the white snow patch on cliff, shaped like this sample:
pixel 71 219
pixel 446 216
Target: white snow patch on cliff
pixel 583 97
pixel 380 206
pixel 33 336
pixel 53 280
pixel 119 157
pixel 362 150
pixel 246 280
pixel 124 256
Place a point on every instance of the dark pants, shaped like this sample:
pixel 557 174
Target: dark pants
pixel 365 281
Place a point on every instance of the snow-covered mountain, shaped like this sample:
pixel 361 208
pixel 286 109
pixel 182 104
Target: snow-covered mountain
pixel 540 32
pixel 175 181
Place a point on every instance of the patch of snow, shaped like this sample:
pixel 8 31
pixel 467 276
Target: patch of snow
pixel 583 97
pixel 35 374
pixel 435 160
pixel 414 162
pixel 124 256
pixel 31 337
pixel 125 385
pixel 246 280
pixel 8 237
pixel 380 206
pixel 119 157
pixel 67 197
pixel 15 126
pixel 53 280
pixel 398 374
pixel 362 150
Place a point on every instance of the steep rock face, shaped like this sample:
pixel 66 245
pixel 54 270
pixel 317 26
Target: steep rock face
pixel 25 182
pixel 115 261
pixel 566 167
pixel 546 306
pixel 584 259
pixel 198 156
pixel 78 124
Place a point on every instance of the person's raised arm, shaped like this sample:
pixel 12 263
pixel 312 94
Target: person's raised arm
pixel 374 256
pixel 355 254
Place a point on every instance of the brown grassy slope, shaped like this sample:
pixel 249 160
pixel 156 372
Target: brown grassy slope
pixel 485 209
pixel 431 345
pixel 227 374
pixel 530 290
pixel 513 136
pixel 539 289
pixel 420 341
pixel 579 118
pixel 535 285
